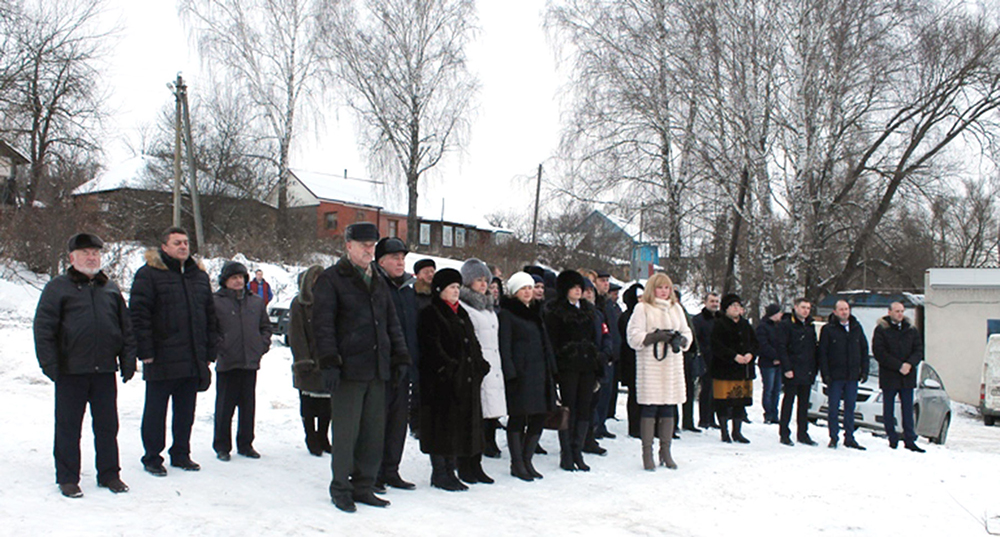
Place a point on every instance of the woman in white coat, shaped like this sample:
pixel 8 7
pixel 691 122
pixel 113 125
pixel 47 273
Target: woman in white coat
pixel 659 333
pixel 476 300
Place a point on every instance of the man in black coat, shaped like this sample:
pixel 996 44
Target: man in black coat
pixel 361 348
pixel 173 316
pixel 843 362
pixel 82 333
pixel 609 385
pixel 797 353
pixel 244 337
pixel 703 323
pixel 390 255
pixel 770 365
pixel 898 348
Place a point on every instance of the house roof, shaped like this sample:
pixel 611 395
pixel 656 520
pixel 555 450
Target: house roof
pixel 147 173
pixel 16 157
pixel 329 187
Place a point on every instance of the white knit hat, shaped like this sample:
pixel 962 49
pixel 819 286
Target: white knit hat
pixel 519 280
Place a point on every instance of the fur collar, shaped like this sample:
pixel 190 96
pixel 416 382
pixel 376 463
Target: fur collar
pixel 421 288
pixel 569 313
pixel 516 307
pixel 886 322
pixel 80 278
pixel 155 259
pixel 476 300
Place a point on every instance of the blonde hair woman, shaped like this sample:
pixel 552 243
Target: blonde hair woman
pixel 659 333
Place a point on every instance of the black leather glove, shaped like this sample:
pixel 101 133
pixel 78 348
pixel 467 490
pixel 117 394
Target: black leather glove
pixel 331 379
pixel 658 335
pixel 864 379
pixel 127 375
pixel 399 374
pixel 651 338
pixel 677 342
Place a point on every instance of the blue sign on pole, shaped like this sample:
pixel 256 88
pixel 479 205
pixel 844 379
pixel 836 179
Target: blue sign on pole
pixel 644 260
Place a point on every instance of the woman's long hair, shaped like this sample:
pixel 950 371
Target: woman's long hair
pixel 658 279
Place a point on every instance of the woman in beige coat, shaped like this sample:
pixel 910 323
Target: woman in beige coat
pixel 659 333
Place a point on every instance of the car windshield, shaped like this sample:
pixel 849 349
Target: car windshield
pixel 872 367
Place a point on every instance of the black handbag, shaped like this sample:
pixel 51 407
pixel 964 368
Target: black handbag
pixel 558 418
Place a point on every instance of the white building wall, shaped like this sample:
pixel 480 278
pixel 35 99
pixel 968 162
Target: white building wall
pixel 958 303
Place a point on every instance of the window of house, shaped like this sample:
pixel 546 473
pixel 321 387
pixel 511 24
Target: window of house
pixel 425 234
pixel 331 220
pixel 460 237
pixel 359 216
pixel 446 236
pixel 393 228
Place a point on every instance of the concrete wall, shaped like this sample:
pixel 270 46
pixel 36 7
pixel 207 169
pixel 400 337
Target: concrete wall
pixel 955 314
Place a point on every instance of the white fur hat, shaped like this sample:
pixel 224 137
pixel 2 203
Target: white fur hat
pixel 519 280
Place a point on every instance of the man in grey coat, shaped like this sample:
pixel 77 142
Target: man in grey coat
pixel 82 334
pixel 244 336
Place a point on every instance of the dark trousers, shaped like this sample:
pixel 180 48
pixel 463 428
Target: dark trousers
pixel 613 399
pixel 603 398
pixel 73 393
pixel 889 414
pixel 770 377
pixel 687 409
pixel 632 408
pixel 234 389
pixel 184 394
pixel 358 412
pixel 848 391
pixel 396 410
pixel 705 401
pixel 793 392
pixel 577 391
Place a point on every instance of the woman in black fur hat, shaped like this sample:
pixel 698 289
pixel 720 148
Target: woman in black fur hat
pixel 451 372
pixel 570 324
pixel 734 346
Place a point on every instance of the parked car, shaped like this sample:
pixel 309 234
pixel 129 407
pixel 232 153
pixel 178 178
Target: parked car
pixel 989 390
pixel 931 404
pixel 278 313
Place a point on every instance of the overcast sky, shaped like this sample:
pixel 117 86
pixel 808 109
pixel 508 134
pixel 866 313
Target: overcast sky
pixel 515 126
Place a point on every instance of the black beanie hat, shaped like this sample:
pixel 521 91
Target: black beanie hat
pixel 445 277
pixel 771 309
pixel 389 245
pixel 84 240
pixel 422 264
pixel 729 299
pixel 233 268
pixel 567 280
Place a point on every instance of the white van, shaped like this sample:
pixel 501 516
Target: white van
pixel 989 390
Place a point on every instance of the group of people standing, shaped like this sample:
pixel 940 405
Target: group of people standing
pixel 176 326
pixel 445 353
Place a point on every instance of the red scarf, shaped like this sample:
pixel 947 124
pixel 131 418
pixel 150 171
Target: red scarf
pixel 452 305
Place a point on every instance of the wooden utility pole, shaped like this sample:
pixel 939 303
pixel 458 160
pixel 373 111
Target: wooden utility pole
pixel 177 149
pixel 199 231
pixel 534 223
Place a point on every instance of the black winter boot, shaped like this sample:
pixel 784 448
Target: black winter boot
pixel 530 443
pixel 323 433
pixel 466 472
pixel 312 437
pixel 724 430
pixel 579 438
pixel 566 452
pixel 476 463
pixel 590 444
pixel 738 430
pixel 442 476
pixel 515 444
pixel 490 448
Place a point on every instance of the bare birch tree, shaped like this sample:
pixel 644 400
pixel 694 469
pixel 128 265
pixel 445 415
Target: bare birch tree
pixel 54 100
pixel 271 48
pixel 402 65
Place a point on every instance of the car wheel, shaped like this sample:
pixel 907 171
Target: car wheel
pixel 942 436
pixel 988 420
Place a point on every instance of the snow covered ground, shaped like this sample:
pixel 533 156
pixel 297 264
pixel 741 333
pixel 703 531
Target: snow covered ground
pixel 758 489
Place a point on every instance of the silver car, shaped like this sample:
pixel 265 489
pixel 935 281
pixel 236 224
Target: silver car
pixel 931 404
